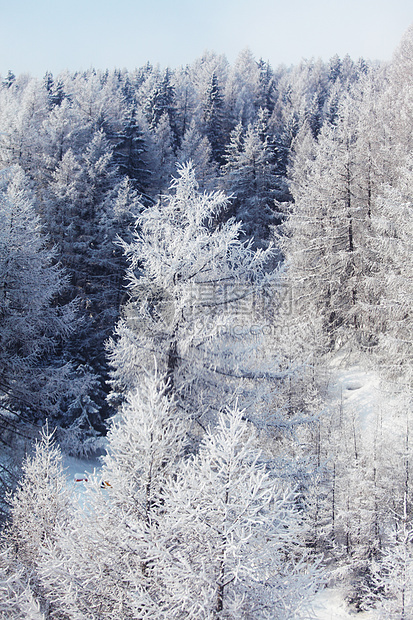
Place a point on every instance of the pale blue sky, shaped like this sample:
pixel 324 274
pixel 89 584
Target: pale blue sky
pixel 40 35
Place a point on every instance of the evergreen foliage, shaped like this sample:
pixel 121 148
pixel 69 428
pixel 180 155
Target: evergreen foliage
pixel 197 316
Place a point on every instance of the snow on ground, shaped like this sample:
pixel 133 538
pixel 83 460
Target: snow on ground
pixel 330 605
pixel 376 407
pixel 358 389
pixel 74 465
pixel 77 468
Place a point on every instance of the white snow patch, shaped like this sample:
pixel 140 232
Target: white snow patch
pixel 358 389
pixel 75 467
pixel 329 604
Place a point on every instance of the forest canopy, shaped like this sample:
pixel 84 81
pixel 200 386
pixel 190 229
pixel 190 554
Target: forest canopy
pixel 189 257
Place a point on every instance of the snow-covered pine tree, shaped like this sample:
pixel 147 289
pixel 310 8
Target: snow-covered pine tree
pixel 42 501
pixel 16 596
pixel 324 239
pixel 194 287
pixel 213 116
pixel 196 148
pixel 227 543
pixel 146 440
pixel 23 109
pixel 101 563
pixel 249 175
pixel 41 506
pixel 393 573
pixel 241 90
pixel 186 100
pixel 130 150
pixel 32 325
pixel 160 98
pixel 390 280
pixel 160 155
pixel 86 205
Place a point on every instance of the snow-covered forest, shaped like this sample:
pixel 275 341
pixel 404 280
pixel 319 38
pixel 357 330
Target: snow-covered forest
pixel 206 281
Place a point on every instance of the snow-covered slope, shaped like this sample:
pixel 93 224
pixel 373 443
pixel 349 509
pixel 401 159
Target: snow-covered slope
pixel 329 604
pixel 356 388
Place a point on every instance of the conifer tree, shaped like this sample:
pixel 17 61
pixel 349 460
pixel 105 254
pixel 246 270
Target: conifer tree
pixel 390 282
pixel 196 148
pixel 227 541
pixel 160 155
pixel 194 287
pixel 101 562
pixel 249 174
pixel 33 326
pixel 42 503
pixel 213 117
pixel 325 233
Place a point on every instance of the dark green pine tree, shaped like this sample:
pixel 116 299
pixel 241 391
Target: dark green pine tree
pixel 129 151
pixel 213 118
pixel 55 90
pixel 9 79
pixel 48 81
pixel 250 175
pixel 35 319
pixel 87 206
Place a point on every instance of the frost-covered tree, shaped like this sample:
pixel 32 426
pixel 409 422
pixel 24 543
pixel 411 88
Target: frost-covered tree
pixel 213 117
pixel 196 148
pixel 171 537
pixel 146 440
pixel 32 325
pixel 399 98
pixel 129 152
pixel 101 561
pixel 325 234
pixel 227 543
pixel 393 573
pixel 17 600
pixel 23 111
pixel 85 205
pixel 160 99
pixel 160 155
pixel 42 503
pixel 60 133
pixel 241 89
pixel 249 175
pixel 390 280
pixel 9 79
pixel 55 90
pixel 186 101
pixel 40 507
pixel 194 287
